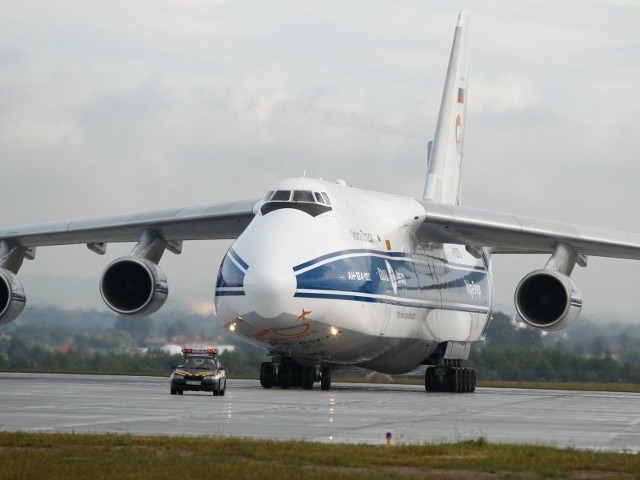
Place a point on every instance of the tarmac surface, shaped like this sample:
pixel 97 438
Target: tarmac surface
pixel 349 413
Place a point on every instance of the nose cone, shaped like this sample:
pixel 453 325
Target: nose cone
pixel 269 286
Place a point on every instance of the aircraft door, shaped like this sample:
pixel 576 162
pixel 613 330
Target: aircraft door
pixel 430 288
pixel 389 281
pixel 385 315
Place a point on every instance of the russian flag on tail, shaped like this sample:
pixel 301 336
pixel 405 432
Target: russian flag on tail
pixel 460 95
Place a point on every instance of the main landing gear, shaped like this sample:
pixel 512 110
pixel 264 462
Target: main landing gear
pixel 450 377
pixel 284 372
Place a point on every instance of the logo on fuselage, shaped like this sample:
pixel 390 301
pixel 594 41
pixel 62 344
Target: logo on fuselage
pixel 392 277
pixel 395 278
pixel 473 289
pixel 303 316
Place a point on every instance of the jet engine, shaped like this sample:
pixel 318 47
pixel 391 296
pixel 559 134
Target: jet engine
pixel 12 298
pixel 548 300
pixel 133 286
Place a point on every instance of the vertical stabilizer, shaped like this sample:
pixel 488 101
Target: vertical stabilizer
pixel 445 160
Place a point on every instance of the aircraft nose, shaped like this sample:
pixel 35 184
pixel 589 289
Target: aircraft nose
pixel 269 286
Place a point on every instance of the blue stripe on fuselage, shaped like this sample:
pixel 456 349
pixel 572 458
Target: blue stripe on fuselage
pixel 365 275
pixel 371 272
pixel 355 251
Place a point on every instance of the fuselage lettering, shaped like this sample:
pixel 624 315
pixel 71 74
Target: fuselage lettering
pixel 384 276
pixel 359 276
pixel 473 289
pixel 361 236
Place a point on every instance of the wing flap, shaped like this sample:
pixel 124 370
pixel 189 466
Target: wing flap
pixel 215 221
pixel 507 233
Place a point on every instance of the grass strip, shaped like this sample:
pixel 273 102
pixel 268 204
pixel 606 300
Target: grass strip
pixel 74 456
pixel 588 387
pixel 577 386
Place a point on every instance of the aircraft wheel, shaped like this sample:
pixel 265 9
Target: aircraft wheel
pixel 285 376
pixel 266 375
pixel 308 378
pixel 325 378
pixel 452 379
pixel 430 380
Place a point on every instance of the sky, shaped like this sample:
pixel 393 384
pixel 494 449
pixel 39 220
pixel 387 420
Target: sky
pixel 120 106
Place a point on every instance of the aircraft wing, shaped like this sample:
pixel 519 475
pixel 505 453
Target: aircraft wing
pixel 507 233
pixel 215 221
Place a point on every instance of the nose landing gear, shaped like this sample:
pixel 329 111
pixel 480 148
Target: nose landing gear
pixel 285 373
pixel 325 379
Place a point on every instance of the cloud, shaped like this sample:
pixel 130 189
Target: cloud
pixel 623 3
pixel 133 106
pixel 511 93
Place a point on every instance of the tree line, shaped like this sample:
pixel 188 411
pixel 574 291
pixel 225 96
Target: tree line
pixel 549 365
pixel 499 363
pixel 102 343
pixel 24 358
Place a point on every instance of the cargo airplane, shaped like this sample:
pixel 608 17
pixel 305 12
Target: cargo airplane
pixel 327 276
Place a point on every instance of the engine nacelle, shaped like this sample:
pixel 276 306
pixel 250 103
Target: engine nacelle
pixel 548 300
pixel 12 298
pixel 133 286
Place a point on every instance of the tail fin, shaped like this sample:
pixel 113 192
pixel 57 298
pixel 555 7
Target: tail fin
pixel 445 160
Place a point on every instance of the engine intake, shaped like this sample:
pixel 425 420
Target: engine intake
pixel 133 286
pixel 12 298
pixel 548 300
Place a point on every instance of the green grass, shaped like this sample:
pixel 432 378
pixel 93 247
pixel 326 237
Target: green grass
pixel 591 387
pixel 75 456
pixel 595 387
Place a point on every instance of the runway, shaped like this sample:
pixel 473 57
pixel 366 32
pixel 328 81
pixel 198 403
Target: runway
pixel 351 413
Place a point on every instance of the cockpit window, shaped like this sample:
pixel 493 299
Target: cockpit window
pixel 303 196
pixel 281 195
pixel 313 203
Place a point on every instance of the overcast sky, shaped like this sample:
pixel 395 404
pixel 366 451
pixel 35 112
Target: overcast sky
pixel 119 106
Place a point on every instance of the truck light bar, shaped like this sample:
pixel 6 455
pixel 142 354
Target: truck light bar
pixel 201 351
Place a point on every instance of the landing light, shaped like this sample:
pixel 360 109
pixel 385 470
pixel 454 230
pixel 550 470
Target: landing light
pixel 334 331
pixel 232 327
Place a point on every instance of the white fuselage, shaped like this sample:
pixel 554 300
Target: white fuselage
pixel 349 281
